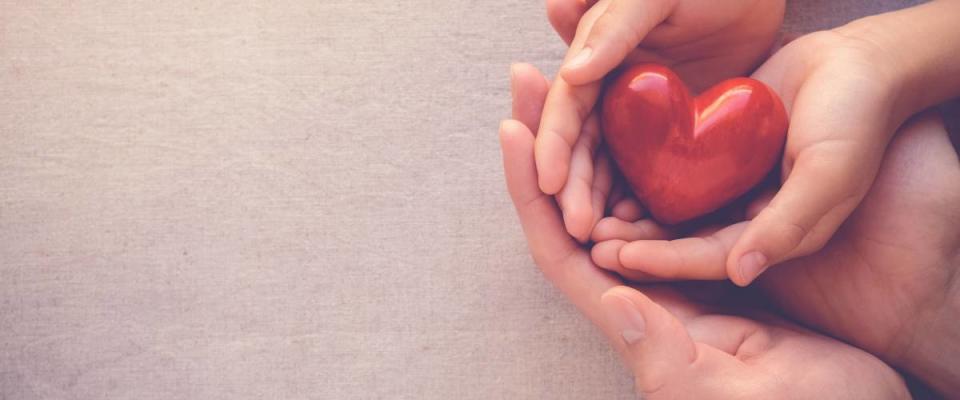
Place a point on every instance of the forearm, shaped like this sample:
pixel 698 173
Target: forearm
pixel 922 46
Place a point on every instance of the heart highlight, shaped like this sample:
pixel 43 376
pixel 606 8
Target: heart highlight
pixel 687 156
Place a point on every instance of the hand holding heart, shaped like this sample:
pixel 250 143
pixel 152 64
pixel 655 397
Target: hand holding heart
pixel 705 41
pixel 840 95
pixel 694 342
pixel 884 279
pixel 842 118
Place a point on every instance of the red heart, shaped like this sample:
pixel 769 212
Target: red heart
pixel 683 156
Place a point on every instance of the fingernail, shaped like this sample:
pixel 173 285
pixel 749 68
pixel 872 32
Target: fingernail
pixel 751 265
pixel 580 59
pixel 513 70
pixel 625 317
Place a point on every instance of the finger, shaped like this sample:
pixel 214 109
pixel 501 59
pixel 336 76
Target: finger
pixel 656 345
pixel 555 252
pixel 549 242
pixel 611 228
pixel 564 15
pixel 604 254
pixel 687 258
pixel 611 234
pixel 830 161
pixel 618 29
pixel 529 89
pixel 577 195
pixel 823 189
pixel 564 113
pixel 566 109
pixel 628 209
pixel 602 186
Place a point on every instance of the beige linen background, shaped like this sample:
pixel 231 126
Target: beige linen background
pixel 278 199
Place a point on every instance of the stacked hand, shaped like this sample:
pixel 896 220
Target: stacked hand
pixel 727 347
pixel 704 41
pixel 889 272
pixel 870 261
pixel 839 90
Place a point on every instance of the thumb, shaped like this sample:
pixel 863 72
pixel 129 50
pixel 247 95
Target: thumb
pixel 655 344
pixel 608 33
pixel 564 15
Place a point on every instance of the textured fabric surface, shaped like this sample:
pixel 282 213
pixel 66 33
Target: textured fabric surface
pixel 278 199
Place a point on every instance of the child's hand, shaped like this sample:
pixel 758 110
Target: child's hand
pixel 841 94
pixel 847 91
pixel 705 41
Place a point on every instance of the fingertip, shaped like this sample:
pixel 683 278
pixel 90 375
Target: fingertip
pixel 624 314
pixel 519 70
pixel 606 254
pixel 512 130
pixel 633 255
pixel 504 132
pixel 527 77
pixel 628 209
pixel 749 257
pixel 615 228
pixel 577 219
pixel 581 74
pixel 749 267
pixel 605 229
pixel 653 258
pixel 564 16
pixel 657 346
pixel 572 67
pixel 553 162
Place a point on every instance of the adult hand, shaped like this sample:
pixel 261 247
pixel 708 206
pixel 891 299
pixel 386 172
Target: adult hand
pixel 675 347
pixel 886 281
pixel 705 41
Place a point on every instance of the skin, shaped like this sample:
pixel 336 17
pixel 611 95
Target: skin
pixel 841 119
pixel 886 281
pixel 705 41
pixel 678 347
pixel 846 91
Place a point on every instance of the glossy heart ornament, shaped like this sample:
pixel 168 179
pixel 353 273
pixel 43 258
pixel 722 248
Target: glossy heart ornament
pixel 687 156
